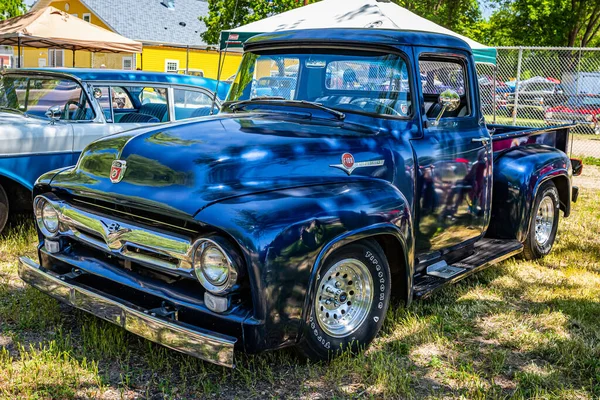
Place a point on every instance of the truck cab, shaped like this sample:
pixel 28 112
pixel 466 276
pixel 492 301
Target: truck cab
pixel 293 216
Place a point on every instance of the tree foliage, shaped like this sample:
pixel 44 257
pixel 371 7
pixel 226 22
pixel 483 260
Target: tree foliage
pixel 544 23
pixel 11 8
pixel 460 16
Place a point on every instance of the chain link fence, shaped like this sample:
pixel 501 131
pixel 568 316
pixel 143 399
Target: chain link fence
pixel 542 86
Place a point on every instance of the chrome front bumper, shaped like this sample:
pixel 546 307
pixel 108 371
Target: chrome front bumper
pixel 206 345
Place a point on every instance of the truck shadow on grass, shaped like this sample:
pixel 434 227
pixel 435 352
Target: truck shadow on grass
pixel 520 329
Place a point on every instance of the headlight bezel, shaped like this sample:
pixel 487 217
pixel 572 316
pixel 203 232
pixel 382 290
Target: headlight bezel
pixel 200 248
pixel 40 205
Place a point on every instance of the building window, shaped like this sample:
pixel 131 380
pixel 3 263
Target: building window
pixel 87 17
pixel 75 15
pixel 56 58
pixel 127 63
pixel 171 66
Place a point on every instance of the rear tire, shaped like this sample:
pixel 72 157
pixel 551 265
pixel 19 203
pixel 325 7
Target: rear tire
pixel 349 302
pixel 543 223
pixel 4 209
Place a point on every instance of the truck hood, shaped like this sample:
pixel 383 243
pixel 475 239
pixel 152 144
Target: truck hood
pixel 185 167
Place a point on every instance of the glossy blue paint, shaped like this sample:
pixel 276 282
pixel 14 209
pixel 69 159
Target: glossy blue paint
pixel 114 75
pixel 25 169
pixel 263 180
pixel 518 173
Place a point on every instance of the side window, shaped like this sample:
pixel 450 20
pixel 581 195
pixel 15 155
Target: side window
pixel 148 101
pixel 102 95
pixel 35 95
pixel 438 75
pixel 191 103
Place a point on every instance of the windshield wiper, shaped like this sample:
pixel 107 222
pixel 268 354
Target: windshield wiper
pixel 9 109
pixel 281 100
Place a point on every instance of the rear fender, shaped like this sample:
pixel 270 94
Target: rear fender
pixel 518 175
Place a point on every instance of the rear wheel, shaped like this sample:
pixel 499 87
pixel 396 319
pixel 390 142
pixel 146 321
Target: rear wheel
pixel 543 224
pixel 349 303
pixel 3 208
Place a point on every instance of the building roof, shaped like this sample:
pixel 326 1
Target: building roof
pixel 115 75
pixel 150 20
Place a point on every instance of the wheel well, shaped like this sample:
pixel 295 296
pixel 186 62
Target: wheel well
pixel 19 197
pixel 395 255
pixel 562 185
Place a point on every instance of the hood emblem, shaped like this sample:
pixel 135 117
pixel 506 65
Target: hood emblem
pixel 117 170
pixel 348 164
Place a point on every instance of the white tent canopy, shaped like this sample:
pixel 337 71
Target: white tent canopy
pixel 349 14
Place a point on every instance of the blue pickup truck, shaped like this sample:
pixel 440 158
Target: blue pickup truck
pixel 291 219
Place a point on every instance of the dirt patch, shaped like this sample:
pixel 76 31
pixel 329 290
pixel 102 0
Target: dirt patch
pixel 589 179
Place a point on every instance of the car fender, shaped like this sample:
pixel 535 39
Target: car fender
pixel 518 174
pixel 286 235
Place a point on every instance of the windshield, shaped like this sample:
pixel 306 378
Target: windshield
pixel 362 82
pixel 34 95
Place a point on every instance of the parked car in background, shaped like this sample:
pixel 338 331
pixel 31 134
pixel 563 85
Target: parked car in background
pixel 293 221
pixel 47 116
pixel 535 96
pixel 581 110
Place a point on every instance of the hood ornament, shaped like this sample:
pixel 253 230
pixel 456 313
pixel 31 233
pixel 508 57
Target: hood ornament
pixel 348 164
pixel 117 170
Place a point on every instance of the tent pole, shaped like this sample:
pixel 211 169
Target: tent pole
pixel 187 60
pixel 19 52
pixel 73 58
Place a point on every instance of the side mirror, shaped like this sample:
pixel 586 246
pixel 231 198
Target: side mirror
pixel 54 113
pixel 449 100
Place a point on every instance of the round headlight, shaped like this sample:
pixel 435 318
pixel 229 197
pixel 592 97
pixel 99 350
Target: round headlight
pixel 50 218
pixel 214 265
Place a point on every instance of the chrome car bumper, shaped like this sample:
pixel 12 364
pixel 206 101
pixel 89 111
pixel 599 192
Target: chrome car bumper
pixel 209 346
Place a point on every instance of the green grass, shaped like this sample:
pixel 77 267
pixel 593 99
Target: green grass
pixel 517 330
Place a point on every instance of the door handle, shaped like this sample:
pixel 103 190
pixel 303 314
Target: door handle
pixel 481 140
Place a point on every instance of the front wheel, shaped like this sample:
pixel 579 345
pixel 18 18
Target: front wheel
pixel 543 223
pixel 349 303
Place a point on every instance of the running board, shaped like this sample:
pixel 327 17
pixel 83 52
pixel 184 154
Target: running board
pixel 487 252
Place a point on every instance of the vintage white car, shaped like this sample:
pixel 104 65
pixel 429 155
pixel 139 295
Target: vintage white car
pixel 47 117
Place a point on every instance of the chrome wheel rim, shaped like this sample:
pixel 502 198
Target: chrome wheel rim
pixel 544 220
pixel 344 298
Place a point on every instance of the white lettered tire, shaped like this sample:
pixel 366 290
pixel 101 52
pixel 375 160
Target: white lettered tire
pixel 543 223
pixel 349 302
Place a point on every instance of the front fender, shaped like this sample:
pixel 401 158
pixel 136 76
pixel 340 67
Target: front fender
pixel 518 174
pixel 286 235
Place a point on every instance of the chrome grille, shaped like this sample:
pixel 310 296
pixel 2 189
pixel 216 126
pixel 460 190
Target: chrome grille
pixel 164 250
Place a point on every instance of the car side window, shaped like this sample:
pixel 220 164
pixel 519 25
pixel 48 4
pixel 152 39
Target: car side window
pixel 146 104
pixel 191 103
pixel 439 75
pixel 35 95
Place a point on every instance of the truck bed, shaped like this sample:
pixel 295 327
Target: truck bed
pixel 506 136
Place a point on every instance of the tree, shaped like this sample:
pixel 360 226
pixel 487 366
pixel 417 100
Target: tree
pixel 224 15
pixel 545 22
pixel 11 8
pixel 460 16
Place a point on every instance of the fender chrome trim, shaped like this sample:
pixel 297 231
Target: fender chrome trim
pixel 206 345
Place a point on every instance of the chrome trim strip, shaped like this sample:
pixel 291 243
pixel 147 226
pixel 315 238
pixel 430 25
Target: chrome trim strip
pixel 209 346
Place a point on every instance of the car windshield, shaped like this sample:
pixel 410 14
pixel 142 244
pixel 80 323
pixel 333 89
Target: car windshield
pixel 354 81
pixel 34 95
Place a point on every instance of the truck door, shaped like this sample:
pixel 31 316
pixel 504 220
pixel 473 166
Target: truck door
pixel 454 156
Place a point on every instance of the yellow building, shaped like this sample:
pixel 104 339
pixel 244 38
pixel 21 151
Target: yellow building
pixel 169 30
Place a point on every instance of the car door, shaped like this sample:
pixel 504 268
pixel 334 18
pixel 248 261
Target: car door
pixel 453 157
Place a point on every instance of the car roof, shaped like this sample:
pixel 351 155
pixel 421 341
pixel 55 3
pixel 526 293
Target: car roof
pixel 115 75
pixel 358 36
